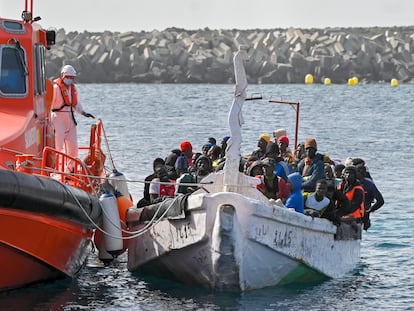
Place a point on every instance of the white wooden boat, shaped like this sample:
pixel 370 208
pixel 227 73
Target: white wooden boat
pixel 229 236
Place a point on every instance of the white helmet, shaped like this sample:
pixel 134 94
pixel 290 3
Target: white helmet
pixel 68 70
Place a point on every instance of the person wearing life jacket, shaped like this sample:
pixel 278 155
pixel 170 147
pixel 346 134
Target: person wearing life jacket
pixel 352 188
pixel 295 199
pixel 373 199
pixel 65 102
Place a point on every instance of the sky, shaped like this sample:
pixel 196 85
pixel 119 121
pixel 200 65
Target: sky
pixel 147 15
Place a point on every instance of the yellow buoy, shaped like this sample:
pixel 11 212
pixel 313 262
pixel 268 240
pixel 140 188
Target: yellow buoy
pixel 353 81
pixel 356 80
pixel 327 81
pixel 394 82
pixel 308 79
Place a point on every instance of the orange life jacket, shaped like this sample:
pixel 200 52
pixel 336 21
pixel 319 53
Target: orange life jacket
pixel 359 212
pixel 65 95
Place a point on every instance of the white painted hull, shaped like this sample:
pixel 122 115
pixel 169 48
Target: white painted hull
pixel 235 241
pixel 231 236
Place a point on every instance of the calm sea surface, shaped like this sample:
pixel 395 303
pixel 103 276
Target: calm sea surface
pixel 142 122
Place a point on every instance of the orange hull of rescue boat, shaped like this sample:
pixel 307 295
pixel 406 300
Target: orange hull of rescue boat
pixel 36 248
pixel 45 225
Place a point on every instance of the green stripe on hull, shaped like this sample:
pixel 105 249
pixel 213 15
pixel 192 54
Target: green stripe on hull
pixel 303 274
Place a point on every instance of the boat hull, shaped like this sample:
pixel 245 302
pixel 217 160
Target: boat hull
pixel 229 242
pixel 45 229
pixel 36 248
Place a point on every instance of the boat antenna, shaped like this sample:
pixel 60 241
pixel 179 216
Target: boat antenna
pixel 27 14
pixel 109 150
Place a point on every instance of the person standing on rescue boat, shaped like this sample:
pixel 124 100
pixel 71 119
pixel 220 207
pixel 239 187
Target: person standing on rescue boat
pixel 65 102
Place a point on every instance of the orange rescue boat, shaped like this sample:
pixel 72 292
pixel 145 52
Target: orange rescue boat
pixel 47 216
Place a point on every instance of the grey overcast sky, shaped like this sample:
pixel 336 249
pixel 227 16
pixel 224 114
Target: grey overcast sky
pixel 137 15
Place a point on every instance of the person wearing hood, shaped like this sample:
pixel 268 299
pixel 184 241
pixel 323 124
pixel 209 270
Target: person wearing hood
pixel 295 199
pixel 170 163
pixel 146 200
pixel 181 166
pixel 203 167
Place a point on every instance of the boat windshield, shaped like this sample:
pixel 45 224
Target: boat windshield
pixel 12 72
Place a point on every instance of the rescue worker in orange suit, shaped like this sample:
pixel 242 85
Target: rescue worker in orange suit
pixel 65 103
pixel 352 188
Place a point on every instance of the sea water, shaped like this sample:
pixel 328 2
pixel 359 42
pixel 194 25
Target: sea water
pixel 142 122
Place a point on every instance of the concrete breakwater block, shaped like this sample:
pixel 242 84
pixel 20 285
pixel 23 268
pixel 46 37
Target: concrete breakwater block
pixel 206 56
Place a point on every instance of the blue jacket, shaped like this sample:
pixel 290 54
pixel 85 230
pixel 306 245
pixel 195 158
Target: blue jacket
pixel 295 199
pixel 282 170
pixel 315 172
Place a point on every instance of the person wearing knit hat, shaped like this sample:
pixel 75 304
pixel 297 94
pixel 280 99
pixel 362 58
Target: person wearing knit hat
pixel 181 164
pixel 285 153
pixel 283 139
pixel 185 145
pixel 187 149
pixel 265 136
pixel 312 167
pixel 206 147
pixel 262 142
pixel 203 167
pixel 310 143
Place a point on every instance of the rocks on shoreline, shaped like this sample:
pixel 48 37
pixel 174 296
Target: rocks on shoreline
pixel 175 55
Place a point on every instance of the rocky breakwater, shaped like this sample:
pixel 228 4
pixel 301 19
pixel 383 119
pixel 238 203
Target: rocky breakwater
pixel 205 56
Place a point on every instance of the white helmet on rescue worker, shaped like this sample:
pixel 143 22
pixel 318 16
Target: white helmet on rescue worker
pixel 68 70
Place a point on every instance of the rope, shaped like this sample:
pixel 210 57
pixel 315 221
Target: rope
pixel 107 147
pixel 132 235
pixel 132 181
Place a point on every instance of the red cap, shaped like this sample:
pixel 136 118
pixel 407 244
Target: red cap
pixel 283 138
pixel 185 145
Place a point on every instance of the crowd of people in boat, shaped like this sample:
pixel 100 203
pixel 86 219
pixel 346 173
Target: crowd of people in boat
pixel 304 180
